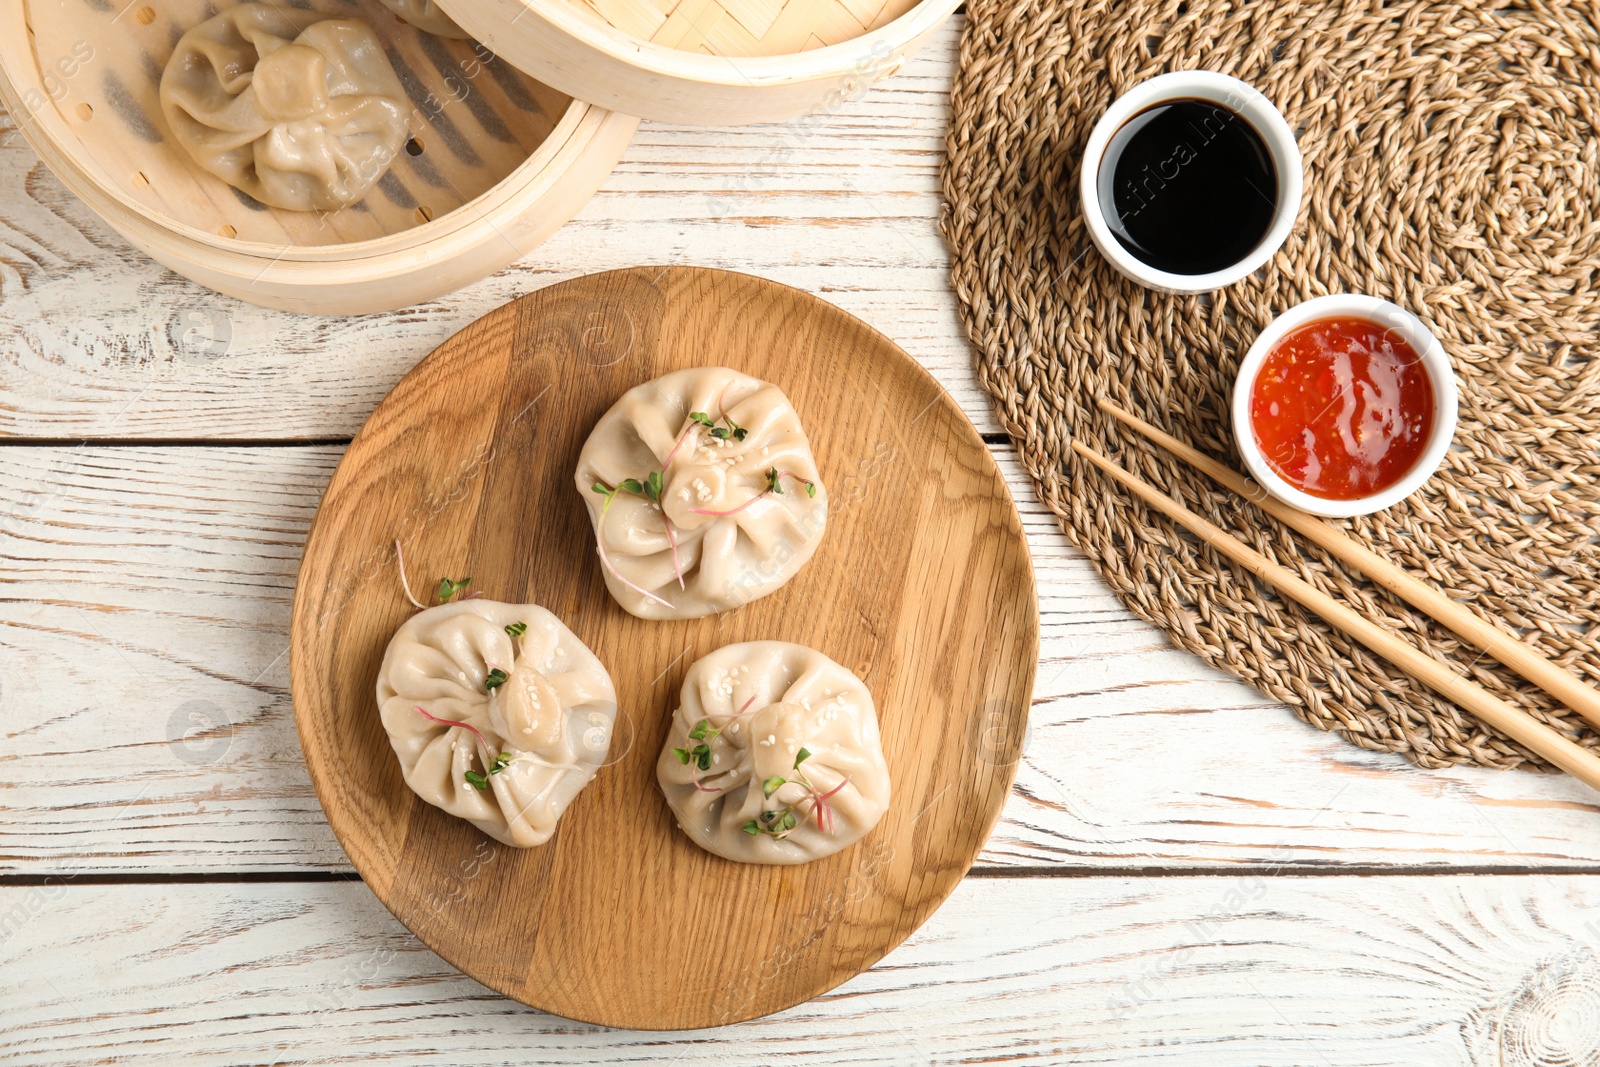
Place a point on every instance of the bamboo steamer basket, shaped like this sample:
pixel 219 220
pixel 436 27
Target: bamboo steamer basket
pixel 497 160
pixel 705 61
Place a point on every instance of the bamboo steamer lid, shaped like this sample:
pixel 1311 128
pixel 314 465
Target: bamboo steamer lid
pixel 705 61
pixel 497 160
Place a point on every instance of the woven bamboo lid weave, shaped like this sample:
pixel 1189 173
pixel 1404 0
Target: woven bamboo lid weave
pixel 705 61
pixel 1452 158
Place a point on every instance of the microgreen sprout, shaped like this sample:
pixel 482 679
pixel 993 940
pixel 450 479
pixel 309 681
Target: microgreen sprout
pixel 449 588
pixel 480 781
pixel 453 722
pixel 700 755
pixel 682 437
pixel 651 489
pixel 779 823
pixel 474 778
pixel 672 539
pixel 722 433
pixel 517 629
pixel 776 486
pixel 495 679
pixel 400 561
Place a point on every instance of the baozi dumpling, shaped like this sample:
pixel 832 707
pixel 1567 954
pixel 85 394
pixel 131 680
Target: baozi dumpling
pixel 499 714
pixel 298 110
pixel 773 755
pixel 703 493
pixel 426 16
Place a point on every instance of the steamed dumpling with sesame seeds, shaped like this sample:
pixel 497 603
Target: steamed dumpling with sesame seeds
pixel 498 713
pixel 773 755
pixel 703 492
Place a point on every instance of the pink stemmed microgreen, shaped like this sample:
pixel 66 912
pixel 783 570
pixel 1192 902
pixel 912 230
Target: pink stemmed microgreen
pixel 672 539
pixel 652 489
pixel 730 431
pixel 730 511
pixel 448 587
pixel 400 561
pixel 610 493
pixel 684 436
pixel 779 823
pixel 698 758
pixel 476 779
pixel 774 485
pixel 453 722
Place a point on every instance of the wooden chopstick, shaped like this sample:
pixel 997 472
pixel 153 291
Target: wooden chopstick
pixel 1574 759
pixel 1506 648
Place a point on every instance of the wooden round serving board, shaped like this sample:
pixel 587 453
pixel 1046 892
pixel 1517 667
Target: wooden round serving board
pixel 922 585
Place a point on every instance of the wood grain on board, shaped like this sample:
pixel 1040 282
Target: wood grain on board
pixel 925 592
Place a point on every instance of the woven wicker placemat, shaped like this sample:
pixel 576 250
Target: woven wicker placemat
pixel 1452 157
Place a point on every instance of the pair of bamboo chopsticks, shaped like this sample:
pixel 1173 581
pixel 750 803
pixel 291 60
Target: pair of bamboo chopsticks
pixel 1576 760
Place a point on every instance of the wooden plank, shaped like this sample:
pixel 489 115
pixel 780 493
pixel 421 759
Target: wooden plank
pixel 1333 971
pixel 143 691
pixel 97 341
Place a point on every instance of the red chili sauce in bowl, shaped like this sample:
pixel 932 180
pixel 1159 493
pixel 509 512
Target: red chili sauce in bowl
pixel 1342 408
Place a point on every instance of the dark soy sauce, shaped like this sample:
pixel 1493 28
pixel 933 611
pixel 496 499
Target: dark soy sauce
pixel 1193 187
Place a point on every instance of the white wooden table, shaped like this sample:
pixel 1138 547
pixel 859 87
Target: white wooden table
pixel 1184 875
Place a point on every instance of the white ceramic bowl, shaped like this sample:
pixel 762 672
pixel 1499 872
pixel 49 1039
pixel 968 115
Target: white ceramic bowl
pixel 1434 360
pixel 1095 183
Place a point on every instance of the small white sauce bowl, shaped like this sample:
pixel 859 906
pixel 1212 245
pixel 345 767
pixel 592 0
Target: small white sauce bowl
pixel 1095 182
pixel 1414 333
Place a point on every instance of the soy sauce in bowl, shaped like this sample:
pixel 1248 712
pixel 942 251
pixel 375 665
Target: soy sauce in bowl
pixel 1193 186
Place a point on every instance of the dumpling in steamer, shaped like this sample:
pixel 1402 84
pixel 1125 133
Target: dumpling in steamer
pixel 773 755
pixel 426 16
pixel 506 751
pixel 703 493
pixel 300 111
